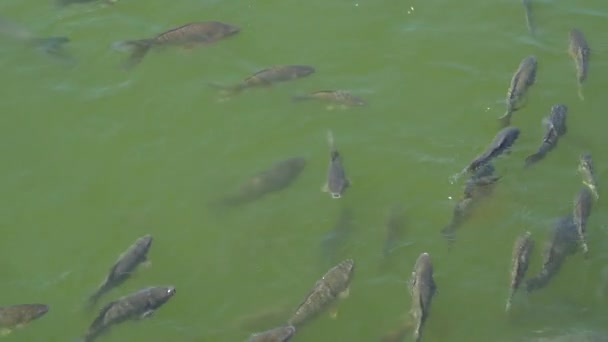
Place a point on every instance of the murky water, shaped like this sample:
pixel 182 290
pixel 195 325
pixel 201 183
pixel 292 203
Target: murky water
pixel 95 157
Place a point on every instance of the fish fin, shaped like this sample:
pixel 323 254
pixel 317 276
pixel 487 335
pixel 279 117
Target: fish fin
pixel 333 312
pixel 5 331
pixel 581 96
pixel 146 263
pixel 344 294
pixel 99 320
pixel 147 314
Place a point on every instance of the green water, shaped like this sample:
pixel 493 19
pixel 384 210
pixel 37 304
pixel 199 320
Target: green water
pixel 94 157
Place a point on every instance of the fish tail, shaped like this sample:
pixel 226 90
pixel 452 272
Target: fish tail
pixel 535 157
pixel 228 90
pixel 298 98
pixel 50 44
pixel 581 96
pixel 505 120
pixel 139 48
pixel 538 281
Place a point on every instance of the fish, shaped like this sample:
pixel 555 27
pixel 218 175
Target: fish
pixel 555 127
pixel 528 15
pixel 336 182
pixel 280 334
pixel 52 45
pixel 520 260
pixel 583 203
pixel 267 77
pixel 422 289
pixel 585 168
pixel 502 142
pixel 335 239
pixel 561 243
pixel 333 285
pixel 138 305
pixel 277 177
pixel 479 186
pixel 394 229
pixel 187 35
pixel 123 267
pixel 579 51
pixel 18 316
pixel 341 97
pixel 524 77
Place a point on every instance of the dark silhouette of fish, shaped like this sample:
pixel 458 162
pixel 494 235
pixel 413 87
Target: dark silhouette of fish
pixel 138 305
pixel 524 77
pixel 555 127
pixel 394 229
pixel 123 267
pixel 422 290
pixel 579 51
pixel 583 203
pixel 280 334
pixel 336 182
pixel 18 316
pixel 335 239
pixel 53 46
pixel 267 77
pixel 333 285
pixel 585 167
pixel 520 261
pixel 562 242
pixel 479 186
pixel 528 15
pixel 188 36
pixel 340 97
pixel 277 177
pixel 501 143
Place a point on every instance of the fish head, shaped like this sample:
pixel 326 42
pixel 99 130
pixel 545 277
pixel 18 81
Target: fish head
pixel 162 294
pixel 146 241
pixel 302 70
pixel 39 310
pixel 225 29
pixel 357 101
pixel 585 161
pixel 285 333
pixel 423 263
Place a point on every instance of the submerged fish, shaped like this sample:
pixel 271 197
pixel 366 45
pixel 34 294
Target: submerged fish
pixel 53 46
pixel 17 316
pixel 520 260
pixel 268 77
pixel 579 51
pixel 336 238
pixel 124 266
pixel 333 285
pixel 585 167
pixel 528 13
pixel 479 186
pixel 341 97
pixel 394 229
pixel 336 182
pixel 523 78
pixel 188 35
pixel 280 334
pixel 501 143
pixel 583 202
pixel 422 290
pixel 555 127
pixel 277 177
pixel 138 305
pixel 562 242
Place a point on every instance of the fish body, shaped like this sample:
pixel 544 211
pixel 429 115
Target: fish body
pixel 138 305
pixel 520 261
pixel 579 51
pixel 479 186
pixel 269 76
pixel 188 35
pixel 555 127
pixel 336 238
pixel 335 96
pixel 280 334
pixel 503 140
pixel 334 284
pixel 422 290
pixel 124 266
pixel 17 316
pixel 561 243
pixel 583 202
pixel 277 177
pixel 524 77
pixel 336 182
pixel 585 168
